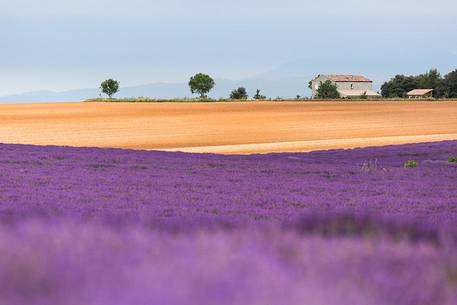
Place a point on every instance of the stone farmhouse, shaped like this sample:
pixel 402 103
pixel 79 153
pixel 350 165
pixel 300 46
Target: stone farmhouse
pixel 349 86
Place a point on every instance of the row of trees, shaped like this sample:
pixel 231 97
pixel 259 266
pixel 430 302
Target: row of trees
pixel 203 83
pixel 200 84
pixel 397 87
pixel 400 85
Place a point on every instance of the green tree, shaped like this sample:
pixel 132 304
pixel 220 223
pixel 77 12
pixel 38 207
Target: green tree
pixel 450 85
pixel 110 87
pixel 239 94
pixel 202 84
pixel 327 90
pixel 258 96
pixel 399 86
pixel 432 80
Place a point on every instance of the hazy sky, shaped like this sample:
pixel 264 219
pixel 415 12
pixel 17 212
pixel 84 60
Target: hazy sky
pixel 60 45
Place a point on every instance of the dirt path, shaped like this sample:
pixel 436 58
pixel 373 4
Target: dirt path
pixel 229 127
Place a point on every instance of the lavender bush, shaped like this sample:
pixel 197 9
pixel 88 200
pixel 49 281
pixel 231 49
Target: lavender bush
pixel 107 226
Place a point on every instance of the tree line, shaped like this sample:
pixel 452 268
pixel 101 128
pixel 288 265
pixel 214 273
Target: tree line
pixel 200 84
pixel 443 86
pixel 397 87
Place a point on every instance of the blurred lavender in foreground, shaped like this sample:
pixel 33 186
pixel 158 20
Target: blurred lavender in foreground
pixel 72 263
pixel 107 226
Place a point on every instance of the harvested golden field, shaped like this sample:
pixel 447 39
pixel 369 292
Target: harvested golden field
pixel 251 127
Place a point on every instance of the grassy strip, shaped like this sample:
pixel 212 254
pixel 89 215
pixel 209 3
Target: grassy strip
pixel 222 100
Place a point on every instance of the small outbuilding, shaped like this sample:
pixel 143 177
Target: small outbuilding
pixel 420 94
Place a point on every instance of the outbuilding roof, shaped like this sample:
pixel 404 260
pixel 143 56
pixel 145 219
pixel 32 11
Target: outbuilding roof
pixel 348 78
pixel 419 92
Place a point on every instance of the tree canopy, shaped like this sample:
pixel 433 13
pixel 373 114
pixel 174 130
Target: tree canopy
pixel 239 94
pixel 202 84
pixel 110 87
pixel 259 96
pixel 327 90
pixel 400 85
pixel 450 84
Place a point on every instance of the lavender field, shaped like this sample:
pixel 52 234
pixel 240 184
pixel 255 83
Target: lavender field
pixel 108 226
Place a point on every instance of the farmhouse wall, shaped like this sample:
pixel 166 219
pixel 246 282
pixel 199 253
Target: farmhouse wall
pixel 341 85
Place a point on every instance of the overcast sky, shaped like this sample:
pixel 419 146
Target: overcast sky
pixel 60 44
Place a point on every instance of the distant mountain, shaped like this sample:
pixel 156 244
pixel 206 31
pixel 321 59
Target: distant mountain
pixel 287 80
pixel 378 67
pixel 50 96
pixel 272 88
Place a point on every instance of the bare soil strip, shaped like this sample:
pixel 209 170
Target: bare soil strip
pixel 229 128
pixel 306 146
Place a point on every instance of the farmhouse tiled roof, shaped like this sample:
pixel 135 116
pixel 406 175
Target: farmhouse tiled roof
pixel 349 78
pixel 419 92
